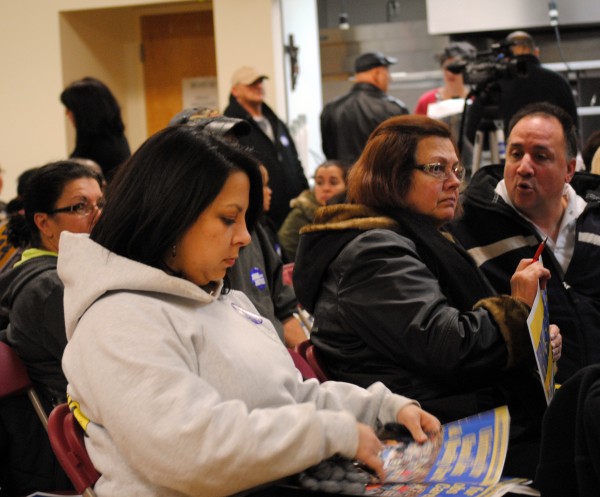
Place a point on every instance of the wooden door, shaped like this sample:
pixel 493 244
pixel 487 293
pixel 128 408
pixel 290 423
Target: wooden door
pixel 174 46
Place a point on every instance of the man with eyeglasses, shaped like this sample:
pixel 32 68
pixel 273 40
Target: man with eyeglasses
pixel 540 196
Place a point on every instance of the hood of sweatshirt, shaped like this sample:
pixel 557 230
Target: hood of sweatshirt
pixel 321 242
pixel 90 271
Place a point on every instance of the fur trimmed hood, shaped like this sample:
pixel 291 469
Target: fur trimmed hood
pixel 349 216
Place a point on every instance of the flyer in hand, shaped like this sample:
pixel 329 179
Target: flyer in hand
pixel 539 330
pixel 465 459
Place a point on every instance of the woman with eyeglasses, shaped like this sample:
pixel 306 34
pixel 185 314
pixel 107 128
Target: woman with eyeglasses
pixel 61 196
pixel 396 300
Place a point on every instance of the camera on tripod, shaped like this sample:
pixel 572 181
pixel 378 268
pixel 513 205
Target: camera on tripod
pixel 490 65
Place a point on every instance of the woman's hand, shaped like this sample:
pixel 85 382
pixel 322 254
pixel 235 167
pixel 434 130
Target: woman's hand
pixel 524 281
pixel 369 447
pixel 418 422
pixel 556 342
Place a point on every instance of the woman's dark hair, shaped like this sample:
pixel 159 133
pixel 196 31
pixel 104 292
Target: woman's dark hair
pixel 162 189
pixel 94 107
pixel 381 176
pixel 43 188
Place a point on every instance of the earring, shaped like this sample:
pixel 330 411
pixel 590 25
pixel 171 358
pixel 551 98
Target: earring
pixel 174 251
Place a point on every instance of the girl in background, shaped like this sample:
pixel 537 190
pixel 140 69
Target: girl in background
pixel 330 180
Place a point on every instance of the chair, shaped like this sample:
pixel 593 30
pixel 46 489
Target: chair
pixel 307 350
pixel 14 380
pixel 66 438
pixel 302 365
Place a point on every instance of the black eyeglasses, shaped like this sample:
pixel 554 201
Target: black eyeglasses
pixel 441 171
pixel 81 208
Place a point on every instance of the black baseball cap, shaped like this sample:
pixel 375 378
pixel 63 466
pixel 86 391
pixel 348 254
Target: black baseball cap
pixel 370 60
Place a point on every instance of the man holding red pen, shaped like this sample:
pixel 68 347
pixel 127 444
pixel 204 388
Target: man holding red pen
pixel 507 213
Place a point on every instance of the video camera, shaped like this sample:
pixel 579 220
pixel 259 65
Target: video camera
pixel 490 65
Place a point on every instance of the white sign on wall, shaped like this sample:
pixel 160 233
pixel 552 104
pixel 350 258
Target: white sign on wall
pixel 200 92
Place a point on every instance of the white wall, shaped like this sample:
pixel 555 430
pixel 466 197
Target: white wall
pixel 246 34
pixel 260 44
pixel 32 118
pixel 33 128
pixel 463 16
pixel 299 18
pixel 44 45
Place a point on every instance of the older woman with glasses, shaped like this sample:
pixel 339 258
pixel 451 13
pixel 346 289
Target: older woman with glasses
pixel 62 196
pixel 396 300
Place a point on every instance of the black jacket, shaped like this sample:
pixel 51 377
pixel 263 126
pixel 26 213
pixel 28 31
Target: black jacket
pixel 498 239
pixel 347 122
pixel 31 312
pixel 108 151
pixel 539 85
pixel 32 300
pixel 382 315
pixel 570 453
pixel 286 176
pixel 258 274
pixel 27 462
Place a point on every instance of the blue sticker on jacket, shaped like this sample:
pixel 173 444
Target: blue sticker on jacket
pixel 258 278
pixel 284 141
pixel 255 318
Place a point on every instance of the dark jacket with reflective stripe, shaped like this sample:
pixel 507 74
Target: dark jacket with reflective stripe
pixel 498 239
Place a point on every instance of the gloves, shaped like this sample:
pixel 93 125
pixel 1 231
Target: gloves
pixel 336 475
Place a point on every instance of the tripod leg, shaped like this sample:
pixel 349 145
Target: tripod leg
pixel 477 150
pixel 497 144
pixel 494 149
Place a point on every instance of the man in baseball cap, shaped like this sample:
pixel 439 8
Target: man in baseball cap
pixel 347 122
pixel 269 139
pixel 246 75
pixel 370 60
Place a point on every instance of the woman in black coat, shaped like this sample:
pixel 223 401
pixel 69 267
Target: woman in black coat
pixel 395 300
pixel 100 132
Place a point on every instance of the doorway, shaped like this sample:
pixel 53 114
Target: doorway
pixel 176 48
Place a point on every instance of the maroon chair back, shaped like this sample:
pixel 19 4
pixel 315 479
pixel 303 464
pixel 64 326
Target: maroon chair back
pixel 302 365
pixel 66 438
pixel 14 380
pixel 307 350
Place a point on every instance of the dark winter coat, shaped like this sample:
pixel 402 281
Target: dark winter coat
pixel 286 176
pixel 498 238
pixel 347 122
pixel 395 301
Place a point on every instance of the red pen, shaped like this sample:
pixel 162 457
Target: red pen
pixel 540 249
